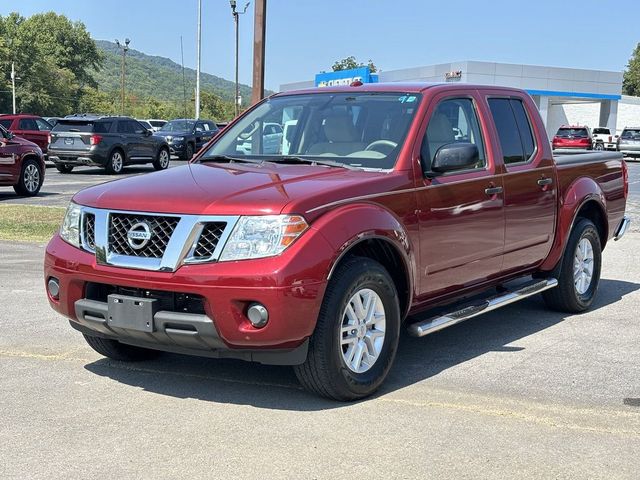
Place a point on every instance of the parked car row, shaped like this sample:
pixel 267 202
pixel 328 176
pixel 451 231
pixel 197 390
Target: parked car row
pixel 601 138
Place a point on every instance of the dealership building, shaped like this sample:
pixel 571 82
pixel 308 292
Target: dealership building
pixel 564 96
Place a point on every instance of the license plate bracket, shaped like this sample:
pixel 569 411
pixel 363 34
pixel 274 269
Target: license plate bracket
pixel 132 313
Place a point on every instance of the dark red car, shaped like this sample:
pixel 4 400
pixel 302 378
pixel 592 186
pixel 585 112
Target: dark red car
pixel 31 127
pixel 576 137
pixel 21 164
pixel 381 201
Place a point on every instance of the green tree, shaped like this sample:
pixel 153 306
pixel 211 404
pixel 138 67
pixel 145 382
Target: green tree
pixel 350 62
pixel 214 108
pixel 631 78
pixel 54 58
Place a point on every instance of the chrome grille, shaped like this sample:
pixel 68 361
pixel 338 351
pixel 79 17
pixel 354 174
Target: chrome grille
pixel 161 228
pixel 208 240
pixel 89 231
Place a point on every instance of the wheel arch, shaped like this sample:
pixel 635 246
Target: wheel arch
pixel 583 199
pixel 372 231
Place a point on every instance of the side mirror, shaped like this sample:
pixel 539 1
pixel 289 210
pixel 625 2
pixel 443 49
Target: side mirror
pixel 148 133
pixel 455 156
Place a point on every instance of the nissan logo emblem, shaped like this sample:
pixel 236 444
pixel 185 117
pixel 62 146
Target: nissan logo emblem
pixel 139 235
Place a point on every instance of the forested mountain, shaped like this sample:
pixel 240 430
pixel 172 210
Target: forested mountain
pixel 158 77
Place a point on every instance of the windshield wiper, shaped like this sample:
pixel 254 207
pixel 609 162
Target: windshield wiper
pixel 227 158
pixel 311 161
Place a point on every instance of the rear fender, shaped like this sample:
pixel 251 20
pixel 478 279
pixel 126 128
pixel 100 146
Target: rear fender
pixel 579 193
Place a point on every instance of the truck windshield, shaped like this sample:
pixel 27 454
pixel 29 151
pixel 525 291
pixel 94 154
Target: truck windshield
pixel 364 130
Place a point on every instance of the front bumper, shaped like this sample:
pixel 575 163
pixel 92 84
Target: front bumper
pixel 177 148
pixel 290 286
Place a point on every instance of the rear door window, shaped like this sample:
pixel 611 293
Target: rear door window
pixel 27 124
pixel 524 127
pixel 507 127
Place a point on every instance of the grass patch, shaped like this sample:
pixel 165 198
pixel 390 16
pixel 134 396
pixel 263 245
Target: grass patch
pixel 29 223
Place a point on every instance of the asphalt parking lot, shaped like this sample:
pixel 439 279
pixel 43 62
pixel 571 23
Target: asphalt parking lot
pixel 519 393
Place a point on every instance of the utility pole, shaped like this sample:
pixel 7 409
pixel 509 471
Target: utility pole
pixel 184 83
pixel 13 85
pixel 125 49
pixel 259 36
pixel 199 48
pixel 236 17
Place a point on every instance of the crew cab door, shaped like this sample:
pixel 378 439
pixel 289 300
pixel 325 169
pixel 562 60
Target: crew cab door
pixel 460 212
pixel 529 182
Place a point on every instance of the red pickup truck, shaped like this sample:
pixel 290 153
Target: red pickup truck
pixel 383 201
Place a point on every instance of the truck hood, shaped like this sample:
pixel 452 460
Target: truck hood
pixel 238 189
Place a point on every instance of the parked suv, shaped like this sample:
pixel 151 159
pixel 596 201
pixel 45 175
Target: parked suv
pixel 109 142
pixel 21 164
pixel 30 127
pixel 187 136
pixel 629 142
pixel 575 137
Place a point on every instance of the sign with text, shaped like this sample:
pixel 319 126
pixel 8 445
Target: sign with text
pixel 345 77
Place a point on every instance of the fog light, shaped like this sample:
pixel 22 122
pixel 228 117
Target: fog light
pixel 258 315
pixel 53 286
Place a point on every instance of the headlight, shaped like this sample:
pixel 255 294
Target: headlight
pixel 262 236
pixel 70 229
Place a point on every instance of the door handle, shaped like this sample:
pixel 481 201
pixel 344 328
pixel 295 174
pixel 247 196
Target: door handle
pixel 493 190
pixel 545 181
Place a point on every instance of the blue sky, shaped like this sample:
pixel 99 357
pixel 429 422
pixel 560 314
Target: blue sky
pixel 306 36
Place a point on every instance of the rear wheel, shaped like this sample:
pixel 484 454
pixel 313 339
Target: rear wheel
pixel 115 164
pixel 119 351
pixel 162 160
pixel 579 274
pixel 30 180
pixel 62 168
pixel 356 336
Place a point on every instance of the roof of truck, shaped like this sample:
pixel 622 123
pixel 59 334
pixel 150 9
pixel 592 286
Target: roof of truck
pixel 394 87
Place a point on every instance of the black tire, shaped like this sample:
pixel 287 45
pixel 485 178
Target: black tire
pixel 116 161
pixel 565 297
pixel 325 371
pixel 188 153
pixel 120 351
pixel 62 168
pixel 31 178
pixel 162 159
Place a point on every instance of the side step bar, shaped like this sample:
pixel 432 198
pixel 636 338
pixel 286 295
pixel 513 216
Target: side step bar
pixel 425 327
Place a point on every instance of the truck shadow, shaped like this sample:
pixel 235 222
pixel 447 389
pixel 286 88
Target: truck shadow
pixel 263 386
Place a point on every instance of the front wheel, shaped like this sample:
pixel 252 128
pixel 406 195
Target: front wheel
pixel 162 160
pixel 356 336
pixel 579 274
pixel 188 154
pixel 30 179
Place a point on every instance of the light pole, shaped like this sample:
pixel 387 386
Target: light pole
pixel 199 48
pixel 236 14
pixel 13 85
pixel 125 49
